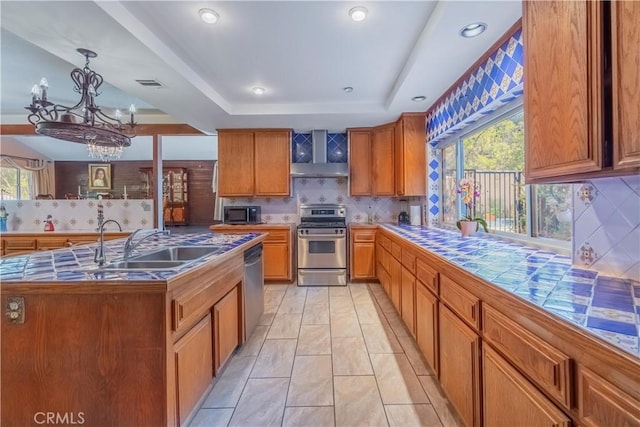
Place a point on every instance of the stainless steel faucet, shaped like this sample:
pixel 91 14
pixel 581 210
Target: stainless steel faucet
pixel 129 246
pixel 99 256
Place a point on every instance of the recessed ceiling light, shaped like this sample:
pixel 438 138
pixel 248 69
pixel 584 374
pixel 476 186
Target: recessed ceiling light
pixel 347 89
pixel 209 16
pixel 473 30
pixel 258 90
pixel 358 13
pixel 419 98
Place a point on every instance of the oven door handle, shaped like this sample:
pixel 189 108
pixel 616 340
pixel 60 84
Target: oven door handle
pixel 324 237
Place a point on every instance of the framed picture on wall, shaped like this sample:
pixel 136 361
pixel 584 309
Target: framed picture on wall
pixel 99 176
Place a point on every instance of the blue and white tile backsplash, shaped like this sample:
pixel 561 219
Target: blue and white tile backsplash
pixel 606 226
pixel 302 149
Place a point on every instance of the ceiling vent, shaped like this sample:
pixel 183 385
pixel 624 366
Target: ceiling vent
pixel 150 83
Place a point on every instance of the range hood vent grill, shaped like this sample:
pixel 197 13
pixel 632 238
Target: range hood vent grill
pixel 319 166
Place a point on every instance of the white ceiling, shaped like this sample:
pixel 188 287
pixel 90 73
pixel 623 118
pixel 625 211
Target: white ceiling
pixel 302 52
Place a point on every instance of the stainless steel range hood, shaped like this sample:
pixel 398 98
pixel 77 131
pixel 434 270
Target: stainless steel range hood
pixel 319 166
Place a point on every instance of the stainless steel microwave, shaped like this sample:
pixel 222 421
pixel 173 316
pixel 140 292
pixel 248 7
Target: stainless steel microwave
pixel 242 214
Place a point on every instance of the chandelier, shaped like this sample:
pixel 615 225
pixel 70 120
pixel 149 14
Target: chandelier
pixel 85 122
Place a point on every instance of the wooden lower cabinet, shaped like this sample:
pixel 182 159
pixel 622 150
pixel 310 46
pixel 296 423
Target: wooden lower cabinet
pixel 460 366
pixel 194 367
pixel 275 258
pixel 408 300
pixel 602 404
pixel 427 325
pixel 227 324
pixel 395 283
pixel 510 399
pixel 362 251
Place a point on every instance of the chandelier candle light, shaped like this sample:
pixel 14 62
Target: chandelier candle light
pixel 468 225
pixel 85 122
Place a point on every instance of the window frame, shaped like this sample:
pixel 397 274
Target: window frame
pixel 18 187
pixel 530 238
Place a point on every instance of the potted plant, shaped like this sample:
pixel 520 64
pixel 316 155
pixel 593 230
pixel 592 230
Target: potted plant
pixel 468 224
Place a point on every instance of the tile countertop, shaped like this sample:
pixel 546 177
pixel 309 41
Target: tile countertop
pixel 604 306
pixel 75 264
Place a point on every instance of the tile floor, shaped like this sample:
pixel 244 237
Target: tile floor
pixel 337 356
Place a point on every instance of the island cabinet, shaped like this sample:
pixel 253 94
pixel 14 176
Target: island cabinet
pixel 362 250
pixel 254 162
pixel 573 128
pixel 277 254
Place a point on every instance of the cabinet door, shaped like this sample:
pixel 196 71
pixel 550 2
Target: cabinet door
pixel 227 327
pixel 525 402
pixel 273 163
pixel 395 283
pixel 362 261
pixel 408 295
pixel 427 324
pixel 460 366
pixel 194 367
pixel 625 16
pixel 235 164
pixel 410 151
pixel 383 162
pixel 276 261
pixel 562 88
pixel 360 163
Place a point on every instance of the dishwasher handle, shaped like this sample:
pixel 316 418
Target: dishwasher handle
pixel 253 255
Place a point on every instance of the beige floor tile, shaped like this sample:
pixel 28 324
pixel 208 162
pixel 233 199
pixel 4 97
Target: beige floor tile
pixel 361 294
pixel 350 356
pixel 273 298
pixel 345 325
pixel 266 319
pixel 380 339
pixel 340 305
pixel 396 379
pixel 275 359
pixel 440 403
pixel 212 418
pixel 339 291
pixel 270 287
pixel 261 403
pixel 296 291
pixel 358 402
pixel 397 324
pixel 415 357
pixel 368 315
pixel 311 382
pixel 386 305
pixel 314 339
pixel 317 416
pixel 317 296
pixel 226 392
pixel 285 326
pixel 412 416
pixel 292 304
pixel 253 345
pixel 316 315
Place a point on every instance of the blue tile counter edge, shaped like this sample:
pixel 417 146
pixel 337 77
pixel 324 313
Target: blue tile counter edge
pixel 75 264
pixel 606 307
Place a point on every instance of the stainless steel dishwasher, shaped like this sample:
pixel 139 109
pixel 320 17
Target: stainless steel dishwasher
pixel 253 288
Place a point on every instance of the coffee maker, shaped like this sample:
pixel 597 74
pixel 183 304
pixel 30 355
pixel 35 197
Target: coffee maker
pixel 403 218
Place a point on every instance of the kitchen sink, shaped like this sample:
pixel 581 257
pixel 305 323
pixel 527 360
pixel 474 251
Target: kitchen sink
pixel 143 265
pixel 178 253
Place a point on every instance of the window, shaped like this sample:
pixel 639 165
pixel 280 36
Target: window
pixel 492 157
pixel 16 183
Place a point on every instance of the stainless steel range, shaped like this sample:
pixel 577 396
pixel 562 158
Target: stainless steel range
pixel 322 245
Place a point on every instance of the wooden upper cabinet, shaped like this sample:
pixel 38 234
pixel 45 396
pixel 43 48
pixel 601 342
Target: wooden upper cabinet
pixel 382 152
pixel 235 163
pixel 272 163
pixel 360 162
pixel 625 16
pixel 562 92
pixel 253 162
pixel 410 155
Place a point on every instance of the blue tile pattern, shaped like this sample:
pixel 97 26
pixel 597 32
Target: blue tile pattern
pixel 302 149
pixel 606 307
pixel 337 148
pixel 497 81
pixel 76 263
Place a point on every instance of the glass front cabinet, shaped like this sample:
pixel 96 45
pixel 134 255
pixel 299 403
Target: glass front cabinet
pixel 175 194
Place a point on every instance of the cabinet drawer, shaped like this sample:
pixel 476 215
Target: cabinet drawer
pixel 20 244
pixel 363 235
pixel 427 275
pixel 462 302
pixel 542 363
pixel 385 242
pixel 276 235
pixel 396 251
pixel 600 403
pixel 409 260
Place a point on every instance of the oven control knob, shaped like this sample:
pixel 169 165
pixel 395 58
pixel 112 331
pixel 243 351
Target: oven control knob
pixel 336 231
pixel 341 231
pixel 306 231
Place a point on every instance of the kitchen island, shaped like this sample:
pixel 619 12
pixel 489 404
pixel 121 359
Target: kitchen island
pixel 97 346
